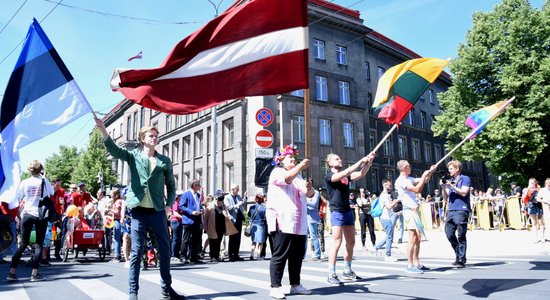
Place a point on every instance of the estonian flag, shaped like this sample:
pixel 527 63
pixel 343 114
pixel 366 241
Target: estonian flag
pixel 41 97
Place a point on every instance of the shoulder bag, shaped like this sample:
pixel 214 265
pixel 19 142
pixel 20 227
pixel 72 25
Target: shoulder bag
pixel 46 209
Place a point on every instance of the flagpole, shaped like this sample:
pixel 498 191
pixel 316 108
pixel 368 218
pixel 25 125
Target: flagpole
pixel 385 138
pixel 470 135
pixel 307 123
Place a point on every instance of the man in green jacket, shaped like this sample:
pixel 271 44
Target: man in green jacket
pixel 150 172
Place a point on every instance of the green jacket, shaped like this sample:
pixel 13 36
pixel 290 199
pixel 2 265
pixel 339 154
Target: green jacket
pixel 163 174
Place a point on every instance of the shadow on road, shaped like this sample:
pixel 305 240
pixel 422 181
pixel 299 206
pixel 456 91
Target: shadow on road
pixel 483 288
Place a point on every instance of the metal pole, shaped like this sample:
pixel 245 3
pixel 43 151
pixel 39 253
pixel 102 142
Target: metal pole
pixel 213 148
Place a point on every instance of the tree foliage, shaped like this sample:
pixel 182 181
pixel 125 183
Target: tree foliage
pixel 62 165
pixel 506 53
pixel 93 161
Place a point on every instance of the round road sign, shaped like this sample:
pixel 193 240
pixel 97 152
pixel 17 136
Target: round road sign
pixel 264 138
pixel 264 116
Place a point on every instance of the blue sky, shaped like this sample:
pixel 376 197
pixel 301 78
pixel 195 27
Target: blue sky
pixel 92 44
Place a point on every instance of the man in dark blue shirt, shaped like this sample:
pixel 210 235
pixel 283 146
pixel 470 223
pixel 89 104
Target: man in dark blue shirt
pixel 457 191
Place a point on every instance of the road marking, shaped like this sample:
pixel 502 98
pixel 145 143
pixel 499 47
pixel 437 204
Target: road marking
pixel 17 291
pixel 97 289
pixel 189 289
pixel 255 283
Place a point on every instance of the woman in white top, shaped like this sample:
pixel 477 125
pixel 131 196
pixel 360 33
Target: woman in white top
pixel 30 192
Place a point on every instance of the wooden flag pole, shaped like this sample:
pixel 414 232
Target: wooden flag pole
pixel 308 131
pixel 385 138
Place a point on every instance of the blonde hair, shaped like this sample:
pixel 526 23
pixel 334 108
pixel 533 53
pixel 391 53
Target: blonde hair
pixel 456 164
pixel 327 160
pixel 35 167
pixel 144 130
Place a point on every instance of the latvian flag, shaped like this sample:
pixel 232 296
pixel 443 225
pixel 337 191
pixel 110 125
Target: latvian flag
pixel 40 98
pixel 256 47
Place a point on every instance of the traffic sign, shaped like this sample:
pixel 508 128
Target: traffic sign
pixel 264 153
pixel 264 116
pixel 264 138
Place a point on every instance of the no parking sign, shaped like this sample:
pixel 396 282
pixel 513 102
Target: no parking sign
pixel 264 116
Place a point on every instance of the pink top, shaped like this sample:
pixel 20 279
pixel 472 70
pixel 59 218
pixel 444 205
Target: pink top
pixel 176 207
pixel 286 204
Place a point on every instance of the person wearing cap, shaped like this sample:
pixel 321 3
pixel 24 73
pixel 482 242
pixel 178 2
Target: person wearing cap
pixel 217 224
pixel 287 221
pixel 235 205
pixel 176 227
pixel 191 220
pixel 151 172
pixel 81 198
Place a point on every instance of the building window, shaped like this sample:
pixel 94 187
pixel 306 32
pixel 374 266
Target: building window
pixel 135 126
pixel 428 152
pixel 369 99
pixel 319 49
pixel 437 152
pixel 186 180
pixel 198 144
pixel 325 132
pixel 229 176
pixel 208 140
pixel 325 168
pixel 142 117
pixel 129 128
pixel 381 72
pixel 390 174
pixel 165 150
pixel 298 93
pixel 431 96
pixel 423 120
pixel 228 133
pixel 372 139
pixel 341 53
pixel 352 184
pixel 321 88
pixel 156 124
pixel 343 88
pixel 367 70
pixel 121 128
pixel 410 116
pixel 374 182
pixel 348 135
pixel 175 151
pixel 299 129
pixel 388 146
pixel 402 146
pixel 416 149
pixel 178 121
pixel 188 118
pixel 168 123
pixel 198 175
pixel 186 148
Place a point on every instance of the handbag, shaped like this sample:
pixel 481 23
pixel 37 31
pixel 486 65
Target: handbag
pixel 376 208
pixel 248 228
pixel 46 209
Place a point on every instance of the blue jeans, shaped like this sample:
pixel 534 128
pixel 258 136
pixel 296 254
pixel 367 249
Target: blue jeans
pixel 389 225
pixel 117 238
pixel 394 219
pixel 457 221
pixel 155 221
pixel 177 231
pixel 312 232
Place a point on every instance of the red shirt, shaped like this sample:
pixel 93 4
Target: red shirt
pixel 8 212
pixel 56 198
pixel 80 200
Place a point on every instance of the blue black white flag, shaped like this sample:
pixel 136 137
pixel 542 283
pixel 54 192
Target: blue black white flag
pixel 40 98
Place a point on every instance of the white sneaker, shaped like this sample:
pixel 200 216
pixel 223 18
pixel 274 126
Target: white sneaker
pixel 300 290
pixel 390 258
pixel 277 293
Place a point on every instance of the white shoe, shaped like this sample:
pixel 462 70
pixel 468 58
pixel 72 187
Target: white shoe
pixel 390 258
pixel 277 293
pixel 300 290
pixel 127 265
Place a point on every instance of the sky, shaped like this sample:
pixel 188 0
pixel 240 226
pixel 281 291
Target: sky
pixel 95 37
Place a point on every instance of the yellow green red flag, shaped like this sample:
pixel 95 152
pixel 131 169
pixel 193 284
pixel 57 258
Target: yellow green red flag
pixel 402 85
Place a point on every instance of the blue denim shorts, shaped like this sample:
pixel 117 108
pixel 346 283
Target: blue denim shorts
pixel 342 218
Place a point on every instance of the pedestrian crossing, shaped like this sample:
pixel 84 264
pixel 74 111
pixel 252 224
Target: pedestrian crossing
pixel 247 280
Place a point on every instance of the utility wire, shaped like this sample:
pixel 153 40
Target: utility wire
pixel 13 16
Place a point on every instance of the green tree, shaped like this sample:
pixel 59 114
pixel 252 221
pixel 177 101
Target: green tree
pixel 93 161
pixel 62 165
pixel 506 53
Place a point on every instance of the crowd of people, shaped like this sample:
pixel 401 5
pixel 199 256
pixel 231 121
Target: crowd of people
pixel 151 224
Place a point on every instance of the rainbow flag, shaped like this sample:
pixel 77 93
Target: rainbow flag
pixel 481 117
pixel 401 86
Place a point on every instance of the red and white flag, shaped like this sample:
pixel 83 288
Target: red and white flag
pixel 256 47
pixel 138 56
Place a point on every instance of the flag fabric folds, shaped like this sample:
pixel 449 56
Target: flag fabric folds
pixel 481 117
pixel 256 47
pixel 40 98
pixel 402 85
pixel 138 56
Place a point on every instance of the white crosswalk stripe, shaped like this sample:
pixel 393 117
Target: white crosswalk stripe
pixel 17 291
pixel 255 283
pixel 306 277
pixel 189 289
pixel 97 289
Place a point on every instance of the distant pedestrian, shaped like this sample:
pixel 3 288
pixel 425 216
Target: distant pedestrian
pixel 235 205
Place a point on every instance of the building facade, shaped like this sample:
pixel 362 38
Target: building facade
pixel 346 59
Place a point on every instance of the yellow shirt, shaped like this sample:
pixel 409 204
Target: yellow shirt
pixel 147 202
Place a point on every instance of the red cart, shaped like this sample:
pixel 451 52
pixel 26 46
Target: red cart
pixel 82 240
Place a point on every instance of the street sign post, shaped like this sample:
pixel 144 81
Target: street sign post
pixel 264 138
pixel 264 153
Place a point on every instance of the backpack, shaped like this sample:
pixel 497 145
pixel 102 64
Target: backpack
pixel 376 208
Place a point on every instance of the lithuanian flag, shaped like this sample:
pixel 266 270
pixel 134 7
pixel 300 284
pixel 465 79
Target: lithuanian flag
pixel 402 85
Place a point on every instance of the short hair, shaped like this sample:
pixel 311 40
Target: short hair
pixel 259 199
pixel 328 159
pixel 401 165
pixel 144 130
pixel 195 182
pixel 115 192
pixel 456 164
pixel 385 181
pixel 35 167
